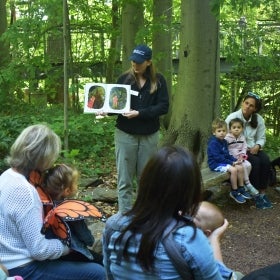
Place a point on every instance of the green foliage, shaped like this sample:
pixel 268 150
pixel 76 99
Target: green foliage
pixel 215 7
pixel 5 143
pixel 272 145
pixel 91 140
pixel 32 45
pixel 250 42
pixel 10 129
pixel 253 49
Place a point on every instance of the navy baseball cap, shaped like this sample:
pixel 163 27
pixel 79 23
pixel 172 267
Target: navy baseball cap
pixel 141 53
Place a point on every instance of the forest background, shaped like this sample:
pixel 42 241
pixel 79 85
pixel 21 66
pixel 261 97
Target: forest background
pixel 211 53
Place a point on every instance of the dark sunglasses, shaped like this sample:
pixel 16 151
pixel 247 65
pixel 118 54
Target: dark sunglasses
pixel 252 94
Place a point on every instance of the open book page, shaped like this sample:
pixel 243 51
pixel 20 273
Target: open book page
pixel 107 98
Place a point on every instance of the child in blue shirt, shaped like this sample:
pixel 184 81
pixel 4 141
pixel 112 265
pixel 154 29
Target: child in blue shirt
pixel 220 160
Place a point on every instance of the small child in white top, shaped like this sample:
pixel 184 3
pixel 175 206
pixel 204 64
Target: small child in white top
pixel 237 147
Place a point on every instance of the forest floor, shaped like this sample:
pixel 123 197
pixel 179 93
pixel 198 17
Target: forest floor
pixel 252 240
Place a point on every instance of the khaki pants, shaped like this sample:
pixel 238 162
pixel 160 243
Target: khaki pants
pixel 132 154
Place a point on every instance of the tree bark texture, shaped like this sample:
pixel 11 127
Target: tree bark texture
pixel 4 47
pixel 132 22
pixel 54 84
pixel 114 49
pixel 162 43
pixel 196 98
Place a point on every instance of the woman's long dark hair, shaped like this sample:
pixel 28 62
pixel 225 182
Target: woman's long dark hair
pixel 170 182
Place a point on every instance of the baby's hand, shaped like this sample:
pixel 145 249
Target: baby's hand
pixel 218 232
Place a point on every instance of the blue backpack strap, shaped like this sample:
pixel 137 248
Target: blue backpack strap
pixel 174 252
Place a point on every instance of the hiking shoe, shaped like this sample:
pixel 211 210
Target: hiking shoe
pixel 244 193
pixel 251 189
pixel 236 195
pixel 267 202
pixel 262 202
pixel 259 202
pixel 277 189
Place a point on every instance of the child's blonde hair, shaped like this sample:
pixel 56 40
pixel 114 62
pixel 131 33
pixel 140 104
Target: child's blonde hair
pixel 218 123
pixel 59 178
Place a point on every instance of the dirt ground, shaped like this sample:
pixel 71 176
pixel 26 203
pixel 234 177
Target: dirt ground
pixel 252 240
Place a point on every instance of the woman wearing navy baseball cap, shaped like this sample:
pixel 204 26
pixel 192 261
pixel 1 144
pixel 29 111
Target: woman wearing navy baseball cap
pixel 140 54
pixel 137 132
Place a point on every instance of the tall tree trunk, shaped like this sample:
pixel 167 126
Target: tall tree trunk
pixel 55 79
pixel 55 54
pixel 114 50
pixel 162 43
pixel 132 22
pixel 4 50
pixel 4 47
pixel 4 55
pixel 197 95
pixel 66 45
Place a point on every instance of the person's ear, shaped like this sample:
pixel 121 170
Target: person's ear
pixel 67 192
pixel 207 232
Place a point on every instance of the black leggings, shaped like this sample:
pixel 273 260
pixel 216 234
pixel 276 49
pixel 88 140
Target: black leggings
pixel 260 173
pixel 271 272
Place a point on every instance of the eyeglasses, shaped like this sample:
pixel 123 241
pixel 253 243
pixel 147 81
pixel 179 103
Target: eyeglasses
pixel 252 94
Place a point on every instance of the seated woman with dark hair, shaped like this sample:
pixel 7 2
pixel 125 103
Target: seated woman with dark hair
pixel 254 132
pixel 136 244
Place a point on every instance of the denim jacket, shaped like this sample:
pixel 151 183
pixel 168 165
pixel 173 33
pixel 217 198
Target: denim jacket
pixel 197 252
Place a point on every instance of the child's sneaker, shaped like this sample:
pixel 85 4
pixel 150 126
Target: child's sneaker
pixel 244 193
pixel 251 189
pixel 236 195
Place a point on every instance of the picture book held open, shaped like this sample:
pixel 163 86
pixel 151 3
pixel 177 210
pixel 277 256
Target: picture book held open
pixel 107 98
